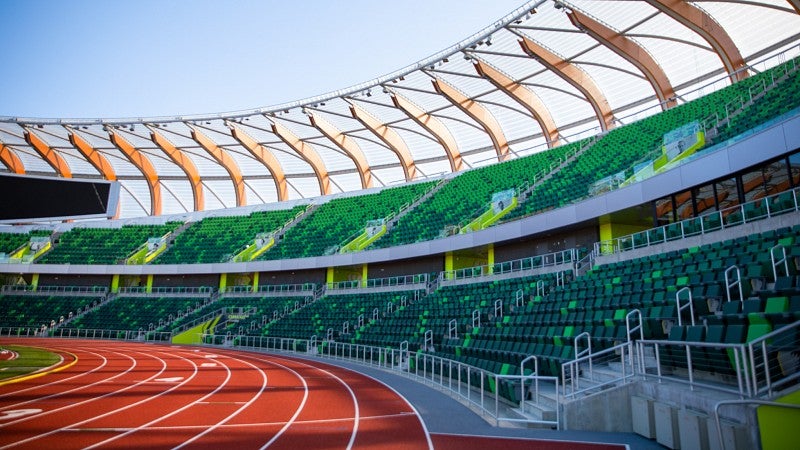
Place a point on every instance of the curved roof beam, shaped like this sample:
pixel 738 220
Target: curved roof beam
pixel 632 52
pixel 433 126
pixel 525 97
pixel 264 156
pixel 11 160
pixel 573 75
pixel 225 160
pixel 97 160
pixel 703 24
pixel 478 113
pixel 144 165
pixel 308 153
pixel 347 145
pixel 48 153
pixel 184 162
pixel 796 5
pixel 389 137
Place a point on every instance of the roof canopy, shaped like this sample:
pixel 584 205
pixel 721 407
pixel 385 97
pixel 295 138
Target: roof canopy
pixel 548 73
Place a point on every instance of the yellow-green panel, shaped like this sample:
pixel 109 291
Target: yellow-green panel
pixel 778 425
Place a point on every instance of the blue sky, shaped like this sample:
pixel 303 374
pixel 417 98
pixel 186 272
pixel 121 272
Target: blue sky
pixel 122 58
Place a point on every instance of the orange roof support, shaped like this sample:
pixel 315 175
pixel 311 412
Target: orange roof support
pixel 144 165
pixel 97 160
pixel 308 153
pixel 632 52
pixel 11 160
pixel 184 162
pixel 796 5
pixel 478 113
pixel 389 137
pixel 703 24
pixel 525 97
pixel 433 126
pixel 225 160
pixel 576 77
pixel 347 145
pixel 49 154
pixel 265 157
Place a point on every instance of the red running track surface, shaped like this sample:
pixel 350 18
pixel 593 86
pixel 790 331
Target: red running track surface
pixel 134 395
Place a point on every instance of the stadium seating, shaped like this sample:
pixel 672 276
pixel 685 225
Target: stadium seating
pixel 332 311
pixel 342 218
pixel 468 195
pixel 138 313
pixel 623 147
pixel 102 245
pixel 259 310
pixel 217 239
pixel 37 310
pixel 12 241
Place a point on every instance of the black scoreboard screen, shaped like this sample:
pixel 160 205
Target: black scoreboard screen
pixel 31 198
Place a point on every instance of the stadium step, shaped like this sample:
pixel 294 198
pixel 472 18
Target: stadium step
pixel 523 195
pixel 394 220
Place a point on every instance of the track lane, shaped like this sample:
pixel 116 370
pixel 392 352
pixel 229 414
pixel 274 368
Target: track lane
pixel 304 404
pixel 102 396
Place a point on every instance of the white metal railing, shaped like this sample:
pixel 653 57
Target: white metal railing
pixel 271 289
pixel 13 289
pixel 583 374
pixel 756 210
pixel 770 359
pixel 401 280
pixel 754 369
pixel 167 290
pixel 518 265
pixel 119 335
pixel 497 396
pixel 693 362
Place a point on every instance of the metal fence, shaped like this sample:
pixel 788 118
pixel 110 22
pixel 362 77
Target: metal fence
pixel 756 210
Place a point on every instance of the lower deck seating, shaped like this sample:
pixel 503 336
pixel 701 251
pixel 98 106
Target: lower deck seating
pixel 37 310
pixel 345 315
pixel 138 313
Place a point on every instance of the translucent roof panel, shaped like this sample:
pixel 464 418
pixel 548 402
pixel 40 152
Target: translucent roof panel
pixel 592 51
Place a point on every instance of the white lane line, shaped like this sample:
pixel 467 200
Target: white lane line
pixel 168 379
pixel 252 424
pixel 40 386
pixel 14 413
pixel 145 400
pixel 146 425
pixel 208 365
pixel 300 407
pixel 128 387
pixel 235 413
pixel 61 393
pixel 302 378
pixel 415 412
pixel 356 413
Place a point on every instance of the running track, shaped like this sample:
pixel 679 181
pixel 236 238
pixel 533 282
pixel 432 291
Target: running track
pixel 131 395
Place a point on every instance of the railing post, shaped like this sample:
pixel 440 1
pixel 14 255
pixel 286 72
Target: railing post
pixel 735 283
pixel 535 373
pixel 776 262
pixel 689 304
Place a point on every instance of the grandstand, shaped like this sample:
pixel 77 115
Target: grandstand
pixel 566 236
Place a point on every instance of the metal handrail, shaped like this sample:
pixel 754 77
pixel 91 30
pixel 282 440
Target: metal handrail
pixel 686 227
